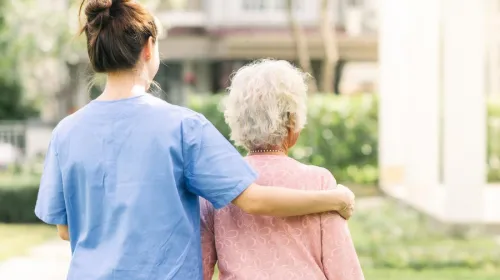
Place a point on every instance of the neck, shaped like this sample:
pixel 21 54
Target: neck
pixel 268 151
pixel 123 85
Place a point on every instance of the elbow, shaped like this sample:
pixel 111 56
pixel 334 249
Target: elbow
pixel 253 209
pixel 257 207
pixel 251 202
pixel 63 232
pixel 64 235
pixel 252 206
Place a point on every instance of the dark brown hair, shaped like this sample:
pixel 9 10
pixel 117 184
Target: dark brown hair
pixel 117 31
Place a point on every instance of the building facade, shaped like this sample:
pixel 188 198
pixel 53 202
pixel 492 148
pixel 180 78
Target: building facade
pixel 208 39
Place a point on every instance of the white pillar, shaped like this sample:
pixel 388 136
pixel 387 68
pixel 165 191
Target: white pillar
pixel 421 106
pixel 493 25
pixel 354 21
pixel 393 59
pixel 464 108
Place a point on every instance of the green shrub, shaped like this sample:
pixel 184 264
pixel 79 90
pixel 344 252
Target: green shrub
pixel 17 200
pixel 341 135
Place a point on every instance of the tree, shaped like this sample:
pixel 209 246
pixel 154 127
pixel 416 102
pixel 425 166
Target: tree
pixel 46 52
pixel 12 105
pixel 40 45
pixel 330 47
pixel 301 48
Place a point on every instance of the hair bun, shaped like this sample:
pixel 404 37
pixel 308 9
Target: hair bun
pixel 98 12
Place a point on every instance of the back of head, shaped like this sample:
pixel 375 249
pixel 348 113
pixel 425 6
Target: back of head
pixel 266 98
pixel 117 31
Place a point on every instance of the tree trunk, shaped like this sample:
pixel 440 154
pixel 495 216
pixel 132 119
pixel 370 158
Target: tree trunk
pixel 66 95
pixel 329 38
pixel 302 51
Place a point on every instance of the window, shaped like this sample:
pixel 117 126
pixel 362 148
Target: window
pixel 355 3
pixel 267 5
pixel 255 5
pixel 281 4
pixel 173 5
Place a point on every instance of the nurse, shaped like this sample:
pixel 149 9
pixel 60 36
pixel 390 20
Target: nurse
pixel 122 176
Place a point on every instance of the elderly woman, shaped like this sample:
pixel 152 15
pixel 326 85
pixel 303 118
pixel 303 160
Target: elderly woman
pixel 266 110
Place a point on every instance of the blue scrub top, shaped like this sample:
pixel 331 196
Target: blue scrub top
pixel 125 176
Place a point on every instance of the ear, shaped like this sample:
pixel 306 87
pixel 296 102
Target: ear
pixel 148 49
pixel 291 122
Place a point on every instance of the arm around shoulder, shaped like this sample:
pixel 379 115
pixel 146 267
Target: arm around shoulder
pixel 216 171
pixel 283 202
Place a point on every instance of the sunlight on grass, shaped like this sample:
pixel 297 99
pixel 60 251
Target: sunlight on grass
pixel 11 180
pixel 17 240
pixel 430 274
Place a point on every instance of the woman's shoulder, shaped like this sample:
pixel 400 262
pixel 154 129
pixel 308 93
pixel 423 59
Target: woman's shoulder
pixel 322 174
pixel 271 166
pixel 189 120
pixel 160 105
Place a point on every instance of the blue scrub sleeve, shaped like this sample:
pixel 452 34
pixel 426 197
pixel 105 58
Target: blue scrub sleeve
pixel 50 206
pixel 213 168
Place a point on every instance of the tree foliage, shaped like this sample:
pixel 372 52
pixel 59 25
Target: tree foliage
pixel 12 105
pixel 40 46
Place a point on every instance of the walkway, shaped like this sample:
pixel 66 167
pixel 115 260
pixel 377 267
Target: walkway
pixel 46 262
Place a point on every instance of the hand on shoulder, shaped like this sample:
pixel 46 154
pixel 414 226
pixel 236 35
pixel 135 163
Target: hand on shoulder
pixel 348 199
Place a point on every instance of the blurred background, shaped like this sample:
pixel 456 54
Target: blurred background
pixel 404 108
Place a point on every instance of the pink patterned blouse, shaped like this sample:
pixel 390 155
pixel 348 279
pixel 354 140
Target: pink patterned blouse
pixel 312 247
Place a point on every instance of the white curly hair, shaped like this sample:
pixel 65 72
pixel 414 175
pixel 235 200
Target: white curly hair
pixel 265 98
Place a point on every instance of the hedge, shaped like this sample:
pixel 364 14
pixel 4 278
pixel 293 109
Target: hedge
pixel 17 199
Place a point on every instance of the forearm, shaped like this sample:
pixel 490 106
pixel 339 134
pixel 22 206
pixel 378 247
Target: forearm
pixel 63 232
pixel 283 202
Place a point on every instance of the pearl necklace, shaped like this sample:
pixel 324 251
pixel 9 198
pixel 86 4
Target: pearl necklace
pixel 266 151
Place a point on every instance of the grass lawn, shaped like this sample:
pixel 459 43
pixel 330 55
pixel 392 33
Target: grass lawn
pixel 16 240
pixel 389 236
pixel 11 180
pixel 446 274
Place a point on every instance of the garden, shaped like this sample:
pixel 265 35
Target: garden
pixel 393 241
